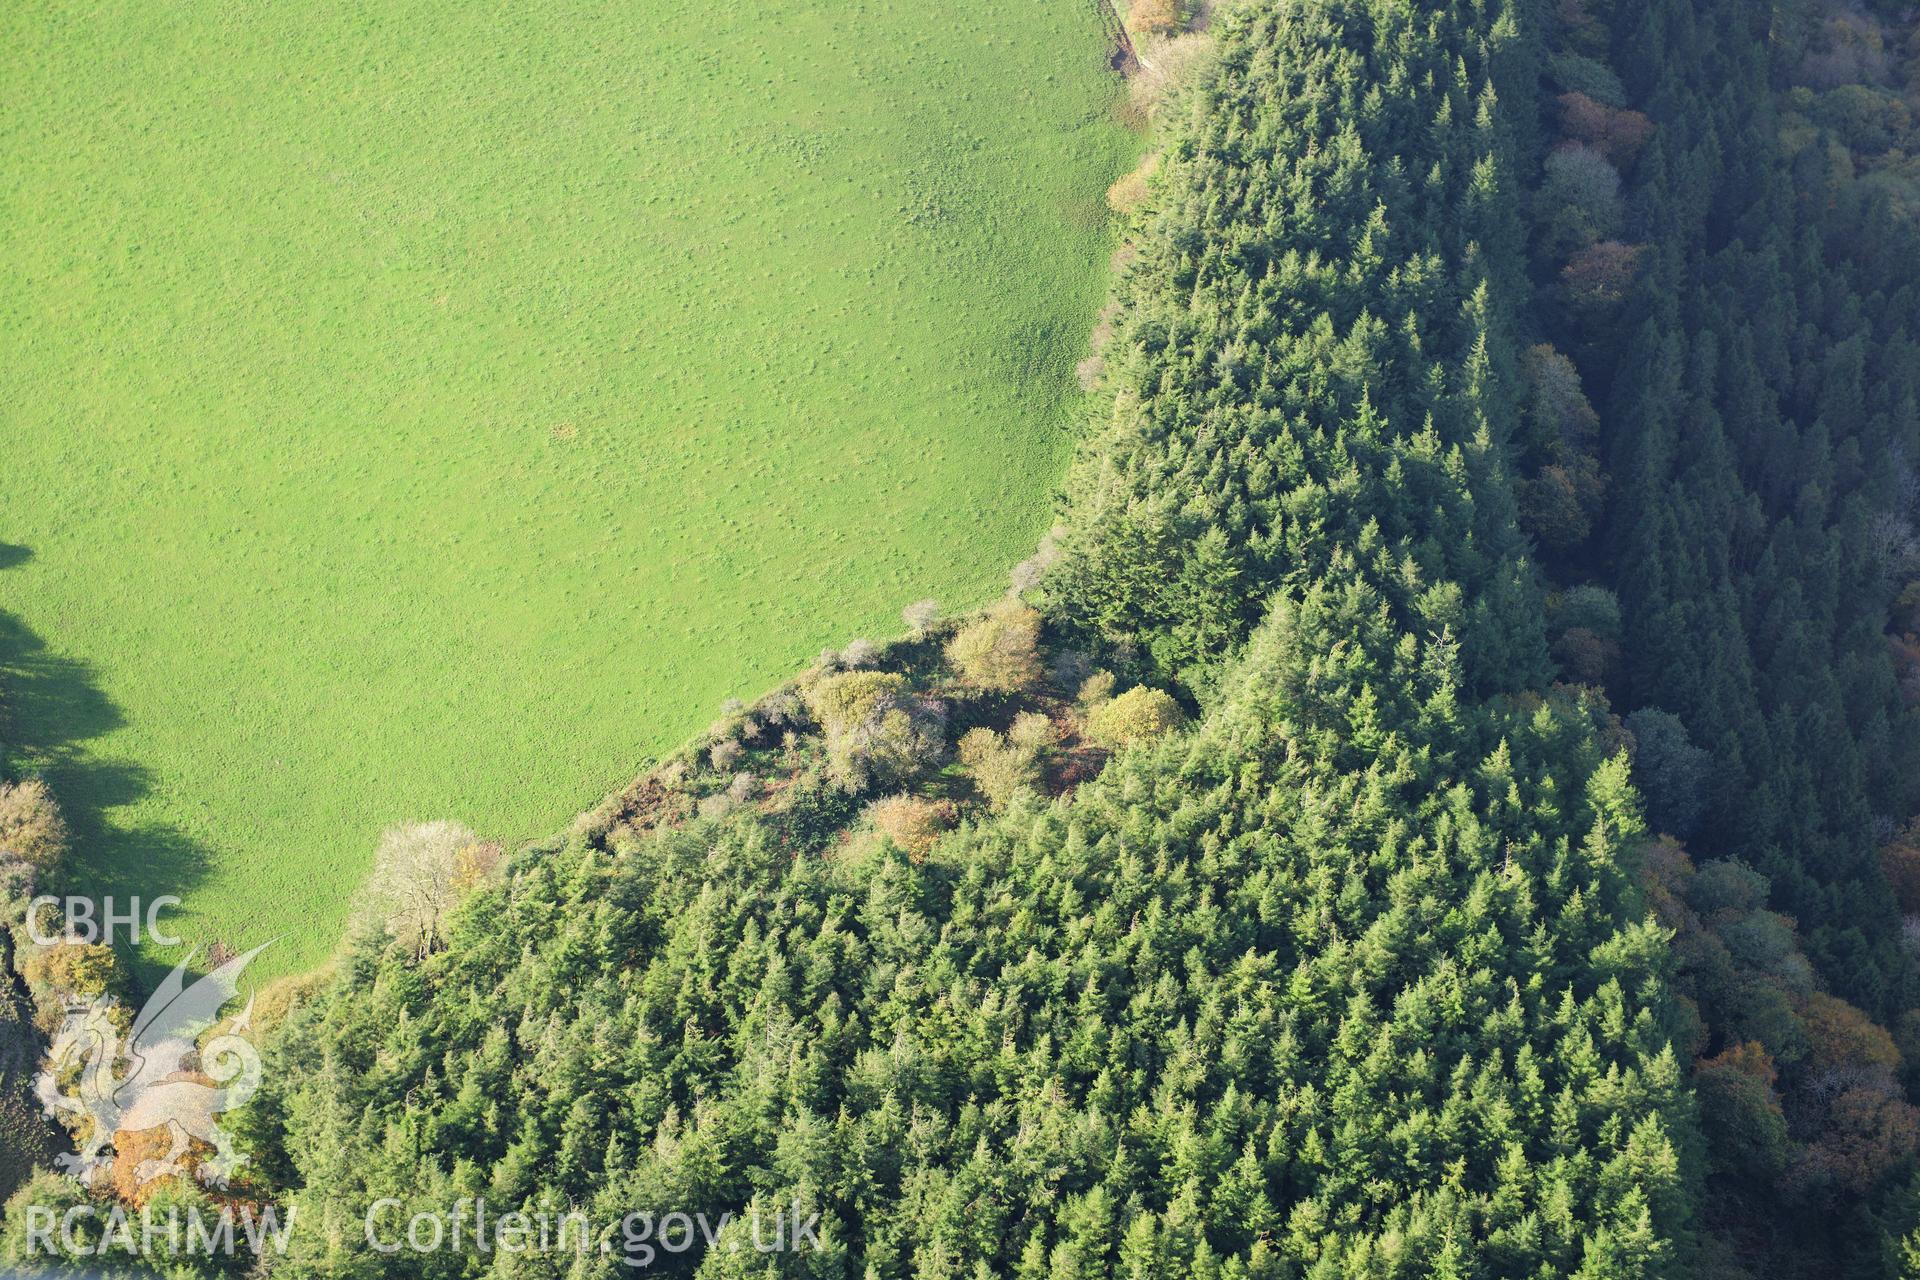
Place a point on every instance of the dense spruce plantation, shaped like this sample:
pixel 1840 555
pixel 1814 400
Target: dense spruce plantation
pixel 1441 803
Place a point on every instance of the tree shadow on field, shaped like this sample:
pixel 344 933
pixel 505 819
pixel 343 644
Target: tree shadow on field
pixel 51 708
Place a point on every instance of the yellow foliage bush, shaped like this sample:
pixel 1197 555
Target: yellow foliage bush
pixel 31 827
pixel 1003 772
pixel 1153 17
pixel 840 702
pixel 913 824
pixel 1138 714
pixel 1130 192
pixel 977 744
pixel 73 968
pixel 1033 732
pixel 1000 651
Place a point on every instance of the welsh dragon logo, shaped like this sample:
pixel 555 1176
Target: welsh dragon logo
pixel 155 1078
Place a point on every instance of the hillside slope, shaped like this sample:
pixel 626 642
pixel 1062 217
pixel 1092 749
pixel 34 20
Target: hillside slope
pixel 1350 978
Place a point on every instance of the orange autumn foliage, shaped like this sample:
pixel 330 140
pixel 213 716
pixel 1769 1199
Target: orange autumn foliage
pixel 1749 1059
pixel 1615 132
pixel 1842 1036
pixel 1900 861
pixel 1153 17
pixel 1599 275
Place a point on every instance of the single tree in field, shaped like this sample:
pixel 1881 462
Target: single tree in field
pixel 920 616
pixel 419 871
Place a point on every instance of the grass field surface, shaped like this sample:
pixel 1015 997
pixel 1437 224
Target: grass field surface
pixel 436 409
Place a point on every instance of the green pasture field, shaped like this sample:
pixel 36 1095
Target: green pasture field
pixel 435 409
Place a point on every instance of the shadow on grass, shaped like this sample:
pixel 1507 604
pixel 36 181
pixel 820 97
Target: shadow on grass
pixel 53 708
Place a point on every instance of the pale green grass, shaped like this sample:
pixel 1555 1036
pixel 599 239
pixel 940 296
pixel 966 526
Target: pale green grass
pixel 435 409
